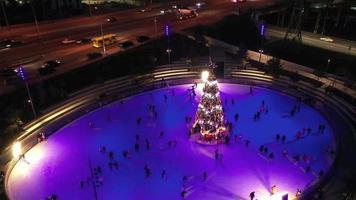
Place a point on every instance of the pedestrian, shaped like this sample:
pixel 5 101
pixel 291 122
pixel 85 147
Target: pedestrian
pixel 138 120
pixel 147 144
pixel 232 101
pixel 125 153
pixel 205 176
pixel 183 193
pixel 137 146
pixel 236 117
pixel 271 155
pixel 163 174
pixel 251 92
pixel 261 148
pixel 273 189
pixel 111 155
pixel 283 138
pixel 147 171
pixel 216 154
pixel 116 165
pixel 247 142
pixel 278 137
pixel 165 98
pixel 265 150
pixel 252 195
pixel 81 184
pixel 161 134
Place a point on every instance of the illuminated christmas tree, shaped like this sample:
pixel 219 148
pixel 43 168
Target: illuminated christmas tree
pixel 209 118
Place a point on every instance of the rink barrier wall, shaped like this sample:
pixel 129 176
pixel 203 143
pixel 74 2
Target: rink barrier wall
pixel 88 99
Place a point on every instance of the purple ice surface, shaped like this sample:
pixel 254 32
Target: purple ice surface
pixel 59 164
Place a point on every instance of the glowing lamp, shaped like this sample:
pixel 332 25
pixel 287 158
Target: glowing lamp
pixel 204 76
pixel 16 149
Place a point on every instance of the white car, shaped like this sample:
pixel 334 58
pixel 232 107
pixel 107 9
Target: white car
pixel 161 12
pixel 326 39
pixel 68 41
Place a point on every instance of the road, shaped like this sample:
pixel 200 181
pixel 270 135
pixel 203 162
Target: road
pixel 311 39
pixel 47 45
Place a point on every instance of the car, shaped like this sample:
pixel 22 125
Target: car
pixel 10 43
pixel 15 44
pixel 111 19
pixel 200 4
pixel 51 63
pixel 326 39
pixel 145 9
pixel 94 55
pixel 5 43
pixel 142 38
pixel 8 72
pixel 68 41
pixel 126 44
pixel 84 41
pixel 161 12
pixel 45 70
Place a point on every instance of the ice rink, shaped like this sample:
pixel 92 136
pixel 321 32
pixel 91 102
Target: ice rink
pixel 66 163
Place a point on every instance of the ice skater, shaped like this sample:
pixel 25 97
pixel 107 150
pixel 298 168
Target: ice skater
pixel 147 144
pixel 111 155
pixel 205 176
pixel 252 195
pixel 138 120
pixel 137 146
pixel 163 174
pixel 236 117
pixel 40 137
pixel 148 171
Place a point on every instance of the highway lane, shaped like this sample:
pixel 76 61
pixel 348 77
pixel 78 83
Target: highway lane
pixel 74 56
pixel 311 39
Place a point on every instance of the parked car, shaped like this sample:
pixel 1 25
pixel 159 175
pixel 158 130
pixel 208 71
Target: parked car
pixel 68 41
pixel 94 55
pixel 111 19
pixel 142 38
pixel 84 41
pixel 126 44
pixel 51 63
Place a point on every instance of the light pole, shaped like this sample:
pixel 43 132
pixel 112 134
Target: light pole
pixel 327 66
pixel 261 51
pixel 155 21
pixel 89 5
pixel 4 12
pixel 102 38
pixel 167 32
pixel 36 22
pixel 21 73
pixel 169 55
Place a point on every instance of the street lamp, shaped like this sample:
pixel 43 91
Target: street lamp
pixel 22 74
pixel 328 64
pixel 261 51
pixel 102 38
pixel 4 12
pixel 16 150
pixel 36 22
pixel 169 55
pixel 155 21
pixel 167 33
